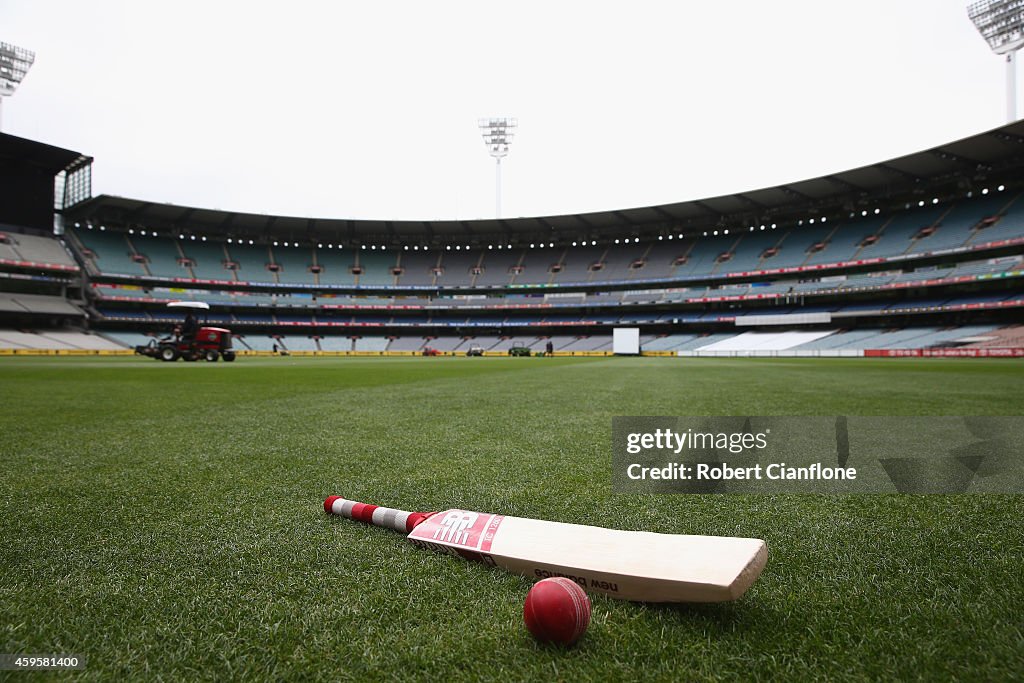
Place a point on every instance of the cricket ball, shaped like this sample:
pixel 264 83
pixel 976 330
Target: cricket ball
pixel 557 611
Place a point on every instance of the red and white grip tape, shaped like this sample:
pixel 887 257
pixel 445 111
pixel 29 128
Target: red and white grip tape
pixel 399 520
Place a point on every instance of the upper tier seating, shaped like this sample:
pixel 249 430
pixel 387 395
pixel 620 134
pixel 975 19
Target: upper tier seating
pixel 965 223
pixel 34 249
pixel 109 253
pixel 208 260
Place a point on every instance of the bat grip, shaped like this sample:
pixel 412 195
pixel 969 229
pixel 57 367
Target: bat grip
pixel 398 520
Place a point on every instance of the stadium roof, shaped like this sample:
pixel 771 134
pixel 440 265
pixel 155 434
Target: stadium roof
pixel 953 168
pixel 21 151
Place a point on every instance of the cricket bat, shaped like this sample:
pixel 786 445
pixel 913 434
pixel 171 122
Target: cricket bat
pixel 629 565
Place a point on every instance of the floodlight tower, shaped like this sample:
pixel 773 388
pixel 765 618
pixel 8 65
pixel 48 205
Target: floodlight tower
pixel 14 64
pixel 1001 24
pixel 498 134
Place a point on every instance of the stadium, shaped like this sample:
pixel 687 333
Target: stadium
pixel 911 256
pixel 166 519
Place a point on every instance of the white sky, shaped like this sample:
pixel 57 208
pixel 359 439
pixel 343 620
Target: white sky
pixel 368 109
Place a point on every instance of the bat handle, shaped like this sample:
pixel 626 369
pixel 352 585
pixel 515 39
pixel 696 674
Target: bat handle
pixel 399 520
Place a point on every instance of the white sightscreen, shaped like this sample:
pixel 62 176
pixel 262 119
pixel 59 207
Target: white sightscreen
pixel 626 340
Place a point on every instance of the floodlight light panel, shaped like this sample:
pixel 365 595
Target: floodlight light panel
pixel 498 122
pixel 1000 23
pixel 14 64
pixel 498 132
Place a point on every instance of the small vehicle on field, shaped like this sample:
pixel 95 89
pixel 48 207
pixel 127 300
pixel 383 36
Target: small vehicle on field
pixel 519 349
pixel 475 350
pixel 191 340
pixel 431 352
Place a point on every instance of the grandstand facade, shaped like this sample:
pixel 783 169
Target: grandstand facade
pixel 914 256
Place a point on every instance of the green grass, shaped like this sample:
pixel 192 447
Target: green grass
pixel 165 521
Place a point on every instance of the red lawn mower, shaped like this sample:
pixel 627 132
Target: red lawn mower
pixel 191 340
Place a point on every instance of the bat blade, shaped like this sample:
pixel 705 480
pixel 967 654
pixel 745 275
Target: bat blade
pixel 630 565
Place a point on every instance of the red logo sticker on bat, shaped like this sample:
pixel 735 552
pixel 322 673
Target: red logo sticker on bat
pixel 459 529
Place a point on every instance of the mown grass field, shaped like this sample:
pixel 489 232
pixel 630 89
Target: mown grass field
pixel 166 522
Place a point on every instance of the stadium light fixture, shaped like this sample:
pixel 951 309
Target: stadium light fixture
pixel 14 65
pixel 1001 24
pixel 498 133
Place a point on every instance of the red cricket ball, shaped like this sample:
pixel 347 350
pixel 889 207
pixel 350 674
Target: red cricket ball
pixel 557 611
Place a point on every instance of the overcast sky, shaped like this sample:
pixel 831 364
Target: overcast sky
pixel 368 109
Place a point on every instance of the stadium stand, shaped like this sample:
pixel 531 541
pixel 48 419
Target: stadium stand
pixel 499 268
pixel 956 227
pixel 293 264
pixel 208 260
pixel 409 343
pixel 377 268
pixel 670 342
pixel 932 261
pixel 595 343
pixel 79 340
pixel 336 267
pixel 700 341
pixel 577 263
pixel 163 255
pixel 35 249
pixel 37 303
pixel 1011 336
pixel 417 267
pixel 128 340
pixel 456 268
pixel 917 337
pixel 338 343
pixel 992 228
pixel 300 343
pixel 447 343
pixel 7 252
pixel 369 344
pixel 808 245
pixel 50 340
pixel 252 261
pixel 764 341
pixel 257 342
pixel 109 253
pixel 503 344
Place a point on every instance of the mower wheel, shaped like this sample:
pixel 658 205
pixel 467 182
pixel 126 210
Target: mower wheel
pixel 229 356
pixel 211 356
pixel 168 354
